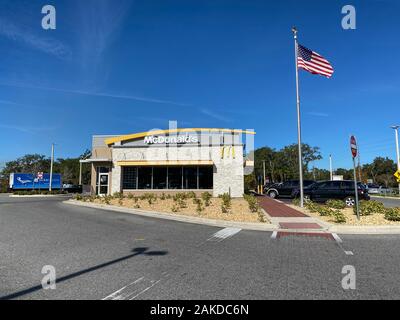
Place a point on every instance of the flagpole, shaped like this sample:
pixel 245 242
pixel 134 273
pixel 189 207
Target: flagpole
pixel 294 30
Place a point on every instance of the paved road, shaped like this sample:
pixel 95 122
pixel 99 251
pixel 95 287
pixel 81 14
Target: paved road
pixel 99 254
pixel 388 202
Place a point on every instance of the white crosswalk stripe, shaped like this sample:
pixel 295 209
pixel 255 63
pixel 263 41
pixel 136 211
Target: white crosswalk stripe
pixel 135 289
pixel 224 234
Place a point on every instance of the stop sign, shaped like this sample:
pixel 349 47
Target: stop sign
pixel 353 146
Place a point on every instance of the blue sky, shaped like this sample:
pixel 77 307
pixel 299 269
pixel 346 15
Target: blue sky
pixel 117 67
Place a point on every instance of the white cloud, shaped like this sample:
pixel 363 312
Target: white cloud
pixel 318 114
pixel 22 35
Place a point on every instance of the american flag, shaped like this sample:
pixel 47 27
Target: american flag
pixel 313 62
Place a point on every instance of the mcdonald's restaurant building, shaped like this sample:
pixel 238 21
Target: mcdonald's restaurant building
pixel 171 161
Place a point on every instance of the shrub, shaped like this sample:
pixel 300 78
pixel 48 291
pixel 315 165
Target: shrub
pixel 151 198
pixel 130 196
pixel 118 195
pixel 252 202
pixel 107 199
pixel 296 202
pixel 175 208
pixel 369 207
pixel 206 196
pixel 338 216
pixel 191 195
pixel 261 217
pixel 226 202
pixel 137 206
pixel 182 203
pixel 199 205
pixel 336 204
pixel 325 211
pixel 78 197
pixel 313 207
pixel 179 200
pixel 162 196
pixel 392 214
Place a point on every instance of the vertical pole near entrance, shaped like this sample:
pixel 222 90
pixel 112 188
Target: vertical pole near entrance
pixel 51 167
pixel 330 166
pixel 356 188
pixel 80 172
pixel 396 129
pixel 264 171
pixel 294 30
pixel 354 153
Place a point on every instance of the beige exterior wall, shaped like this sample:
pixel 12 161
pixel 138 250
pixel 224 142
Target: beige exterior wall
pixel 228 163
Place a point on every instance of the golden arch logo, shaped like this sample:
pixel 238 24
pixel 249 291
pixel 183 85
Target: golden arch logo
pixel 228 152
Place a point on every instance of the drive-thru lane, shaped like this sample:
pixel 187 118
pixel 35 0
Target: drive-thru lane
pixel 101 254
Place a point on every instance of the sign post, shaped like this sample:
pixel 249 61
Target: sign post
pixel 354 152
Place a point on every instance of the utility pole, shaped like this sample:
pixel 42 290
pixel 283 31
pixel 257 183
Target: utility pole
pixel 80 172
pixel 330 166
pixel 264 171
pixel 396 129
pixel 51 167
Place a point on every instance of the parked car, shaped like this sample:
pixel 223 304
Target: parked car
pixel 377 189
pixel 374 188
pixel 339 190
pixel 71 188
pixel 286 189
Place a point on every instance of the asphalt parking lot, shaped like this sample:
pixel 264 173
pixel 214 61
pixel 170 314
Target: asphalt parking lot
pixel 100 254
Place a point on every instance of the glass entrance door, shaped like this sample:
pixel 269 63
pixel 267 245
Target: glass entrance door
pixel 103 184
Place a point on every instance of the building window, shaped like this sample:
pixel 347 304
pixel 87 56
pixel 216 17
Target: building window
pixel 160 178
pixel 189 177
pixel 144 177
pixel 129 178
pixel 175 178
pixel 205 177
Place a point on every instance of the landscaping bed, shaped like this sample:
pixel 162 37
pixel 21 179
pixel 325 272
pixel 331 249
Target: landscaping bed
pixel 372 213
pixel 188 204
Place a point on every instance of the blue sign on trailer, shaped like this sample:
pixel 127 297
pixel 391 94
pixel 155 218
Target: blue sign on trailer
pixel 28 181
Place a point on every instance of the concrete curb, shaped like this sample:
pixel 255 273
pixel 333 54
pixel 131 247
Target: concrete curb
pixel 380 197
pixel 179 218
pixel 365 230
pixel 38 195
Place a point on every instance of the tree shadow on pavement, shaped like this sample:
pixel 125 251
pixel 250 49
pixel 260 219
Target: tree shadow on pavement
pixel 136 252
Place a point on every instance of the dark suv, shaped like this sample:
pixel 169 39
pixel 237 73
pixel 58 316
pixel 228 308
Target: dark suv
pixel 341 190
pixel 285 189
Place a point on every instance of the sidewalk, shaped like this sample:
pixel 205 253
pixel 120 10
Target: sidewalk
pixel 292 222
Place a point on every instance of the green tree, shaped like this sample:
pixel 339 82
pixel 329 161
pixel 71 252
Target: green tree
pixel 381 170
pixel 33 163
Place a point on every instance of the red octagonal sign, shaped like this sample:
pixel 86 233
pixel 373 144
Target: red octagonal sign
pixel 353 146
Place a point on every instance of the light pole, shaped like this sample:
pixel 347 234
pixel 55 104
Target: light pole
pixel 396 130
pixel 330 166
pixel 264 170
pixel 51 167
